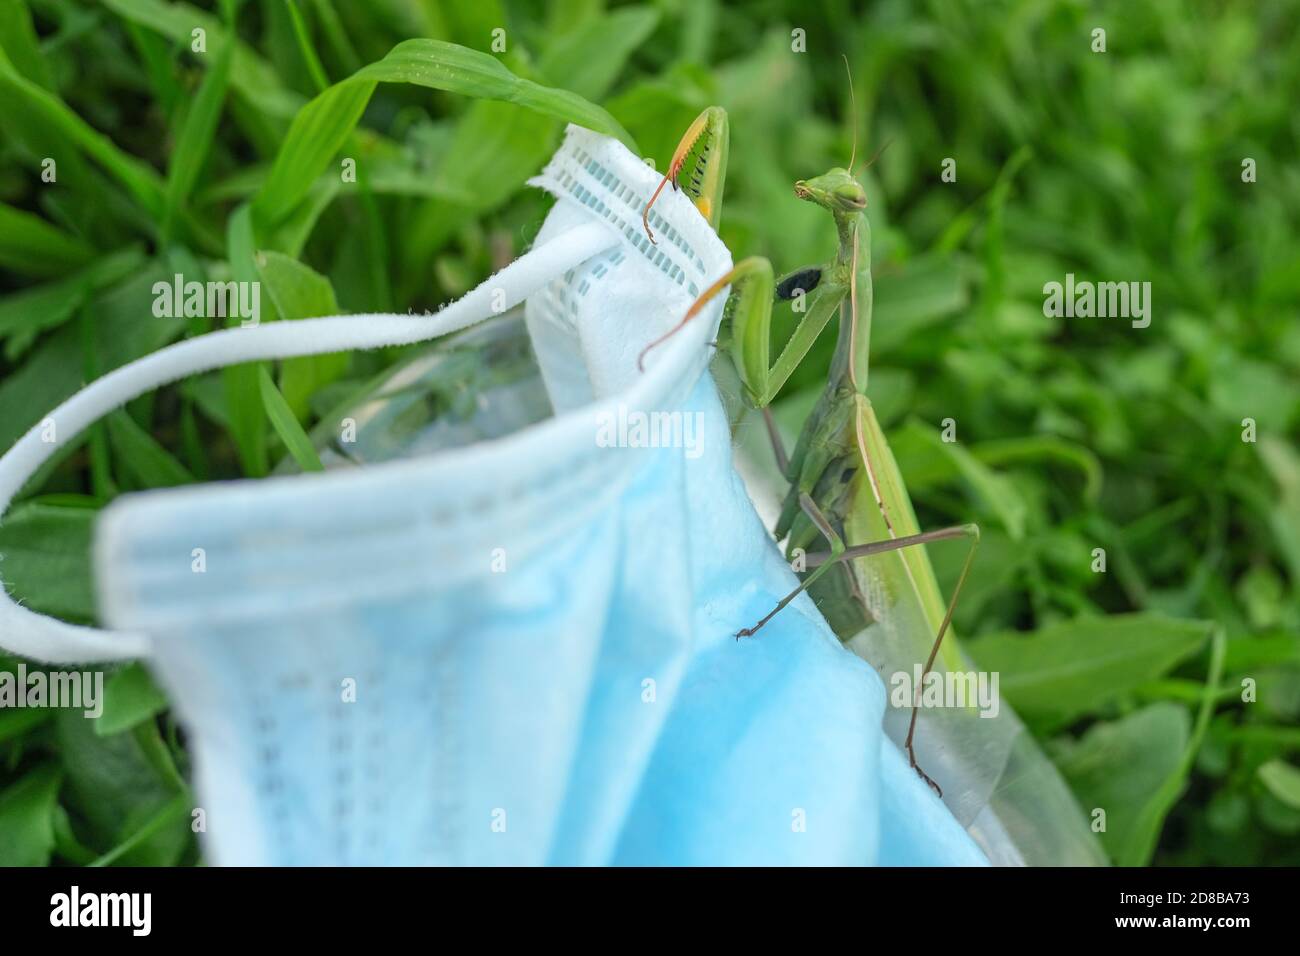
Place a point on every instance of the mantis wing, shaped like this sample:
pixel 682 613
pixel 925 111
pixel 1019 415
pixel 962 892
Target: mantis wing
pixel 998 783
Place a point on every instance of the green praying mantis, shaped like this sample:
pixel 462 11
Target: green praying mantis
pixel 845 491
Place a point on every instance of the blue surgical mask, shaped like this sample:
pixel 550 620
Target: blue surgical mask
pixel 520 651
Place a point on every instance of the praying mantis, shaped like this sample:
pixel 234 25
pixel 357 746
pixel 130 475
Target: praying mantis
pixel 845 493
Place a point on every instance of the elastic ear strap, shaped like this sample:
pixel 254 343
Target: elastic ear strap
pixel 43 638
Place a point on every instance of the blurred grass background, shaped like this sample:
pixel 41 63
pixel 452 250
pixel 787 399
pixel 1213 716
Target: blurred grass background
pixel 1075 434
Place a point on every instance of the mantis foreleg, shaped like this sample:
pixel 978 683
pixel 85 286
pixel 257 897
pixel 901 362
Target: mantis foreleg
pixel 749 309
pixel 702 155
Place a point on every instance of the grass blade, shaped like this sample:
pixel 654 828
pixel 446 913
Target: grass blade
pixel 286 425
pixel 195 140
pixel 253 77
pixel 247 422
pixel 25 314
pixel 151 464
pixel 138 177
pixel 18 40
pixel 308 52
pixel 30 245
pixel 324 124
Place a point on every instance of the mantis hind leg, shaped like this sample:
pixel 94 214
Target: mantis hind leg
pixel 778 446
pixel 839 552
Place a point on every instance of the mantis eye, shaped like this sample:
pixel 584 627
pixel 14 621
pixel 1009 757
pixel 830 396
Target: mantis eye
pixel 851 195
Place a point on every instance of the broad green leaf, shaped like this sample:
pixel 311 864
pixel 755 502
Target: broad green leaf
pixel 324 124
pixel 1043 448
pixel 66 843
pixel 891 391
pixel 1123 768
pixel 286 425
pixel 1065 670
pixel 163 821
pixel 15 722
pixel 1141 782
pixel 48 375
pixel 300 292
pixel 1267 393
pixel 588 60
pixel 908 301
pixel 1270 735
pixel 123 328
pixel 27 817
pixel 25 314
pixel 1262 650
pixel 1282 780
pixel 950 458
pixel 470 24
pixel 139 453
pixel 130 697
pixel 1283 464
pixel 45 551
pixel 1276 816
pixel 116 788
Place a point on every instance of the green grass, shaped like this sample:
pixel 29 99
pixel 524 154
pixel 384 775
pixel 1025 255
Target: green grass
pixel 1075 434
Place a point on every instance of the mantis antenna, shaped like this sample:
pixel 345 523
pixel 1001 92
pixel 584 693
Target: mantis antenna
pixel 853 109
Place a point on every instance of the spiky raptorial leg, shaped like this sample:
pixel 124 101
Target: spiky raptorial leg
pixel 699 128
pixel 754 268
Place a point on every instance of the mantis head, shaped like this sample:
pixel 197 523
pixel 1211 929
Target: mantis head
pixel 836 190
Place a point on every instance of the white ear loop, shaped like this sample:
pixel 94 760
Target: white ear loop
pixel 43 638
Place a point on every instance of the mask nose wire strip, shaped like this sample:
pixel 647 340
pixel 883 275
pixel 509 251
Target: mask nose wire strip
pixel 33 635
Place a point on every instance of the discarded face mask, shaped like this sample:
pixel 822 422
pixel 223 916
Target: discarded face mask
pixel 519 651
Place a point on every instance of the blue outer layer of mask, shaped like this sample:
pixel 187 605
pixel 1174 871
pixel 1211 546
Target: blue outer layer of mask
pixel 353 698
